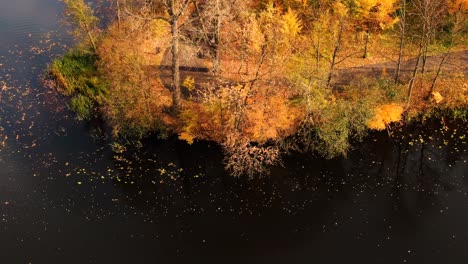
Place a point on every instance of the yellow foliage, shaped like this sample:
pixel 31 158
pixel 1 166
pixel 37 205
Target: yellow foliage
pixel 437 97
pixel 270 117
pixel 291 24
pixel 159 29
pixel 303 2
pixel 377 12
pixel 186 136
pixel 340 9
pixel 189 118
pixel 384 115
pixel 137 98
pixel 256 36
pixel 189 83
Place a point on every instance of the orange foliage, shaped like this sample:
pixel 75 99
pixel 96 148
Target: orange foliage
pixel 222 112
pixel 457 5
pixel 137 97
pixel 384 115
pixel 450 92
pixel 270 117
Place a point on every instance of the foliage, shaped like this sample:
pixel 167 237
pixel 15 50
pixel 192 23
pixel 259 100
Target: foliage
pixel 455 6
pixel 189 83
pixel 81 15
pixel 384 115
pixel 80 12
pixel 137 101
pixel 189 116
pixel 76 72
pixel 82 106
pixel 285 73
pixel 76 75
pixel 375 15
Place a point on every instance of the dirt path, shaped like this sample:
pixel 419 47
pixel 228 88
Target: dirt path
pixel 456 62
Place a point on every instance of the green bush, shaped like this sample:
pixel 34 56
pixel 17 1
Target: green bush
pixel 76 75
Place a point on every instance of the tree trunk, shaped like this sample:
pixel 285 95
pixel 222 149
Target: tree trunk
pixel 364 56
pixel 176 93
pixel 216 61
pixel 118 12
pixel 335 53
pixel 400 56
pixel 317 56
pixel 402 41
pixel 424 57
pixel 90 37
pixel 413 77
pixel 439 70
pixel 425 40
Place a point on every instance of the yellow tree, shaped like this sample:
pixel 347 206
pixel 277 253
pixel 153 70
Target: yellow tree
pixel 373 16
pixel 254 106
pixel 82 16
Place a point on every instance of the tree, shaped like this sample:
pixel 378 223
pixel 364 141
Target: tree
pixel 176 10
pixel 402 35
pixel 457 6
pixel 173 12
pixel 341 17
pixel 209 15
pixel 428 15
pixel 373 16
pixel 457 22
pixel 137 101
pixel 82 16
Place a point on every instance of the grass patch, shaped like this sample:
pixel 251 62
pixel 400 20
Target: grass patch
pixel 82 106
pixel 76 75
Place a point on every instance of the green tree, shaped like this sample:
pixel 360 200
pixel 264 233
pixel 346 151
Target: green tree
pixel 82 16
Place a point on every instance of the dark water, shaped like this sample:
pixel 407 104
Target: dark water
pixel 66 198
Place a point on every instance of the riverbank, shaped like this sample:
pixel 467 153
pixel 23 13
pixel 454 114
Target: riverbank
pixel 257 95
pixel 448 101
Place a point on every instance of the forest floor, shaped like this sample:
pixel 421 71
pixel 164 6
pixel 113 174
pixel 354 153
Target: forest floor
pixel 455 64
pixel 381 62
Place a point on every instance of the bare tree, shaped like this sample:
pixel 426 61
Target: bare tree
pixel 402 29
pixel 429 15
pixel 172 12
pixel 176 9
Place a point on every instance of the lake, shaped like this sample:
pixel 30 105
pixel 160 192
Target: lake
pixel 65 197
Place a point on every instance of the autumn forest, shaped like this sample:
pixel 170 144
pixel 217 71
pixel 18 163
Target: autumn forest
pixel 264 78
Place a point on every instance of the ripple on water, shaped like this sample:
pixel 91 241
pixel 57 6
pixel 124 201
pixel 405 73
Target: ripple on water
pixel 18 31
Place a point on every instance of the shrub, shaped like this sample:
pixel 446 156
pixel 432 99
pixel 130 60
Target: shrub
pixel 76 74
